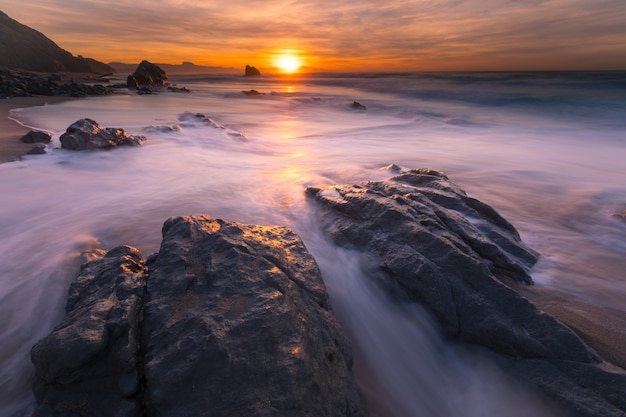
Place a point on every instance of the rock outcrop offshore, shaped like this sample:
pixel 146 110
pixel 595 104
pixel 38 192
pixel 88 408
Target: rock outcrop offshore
pixel 459 258
pixel 87 134
pixel 226 320
pixel 147 74
pixel 251 71
pixel 234 319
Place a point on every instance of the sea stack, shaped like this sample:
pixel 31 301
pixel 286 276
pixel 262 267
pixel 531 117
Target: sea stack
pixel 251 71
pixel 147 74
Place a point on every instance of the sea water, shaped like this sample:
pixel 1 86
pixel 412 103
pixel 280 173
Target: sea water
pixel 547 150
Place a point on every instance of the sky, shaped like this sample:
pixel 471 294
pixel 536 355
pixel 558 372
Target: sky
pixel 343 35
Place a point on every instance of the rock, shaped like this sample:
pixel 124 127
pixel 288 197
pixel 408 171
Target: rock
pixel 458 257
pixel 86 134
pixel 178 89
pixel 148 73
pixel 89 365
pixel 239 323
pixel 37 150
pixel 35 136
pixel 131 83
pixel 358 106
pixel 252 93
pixel 251 71
pixel 226 320
pixel 24 84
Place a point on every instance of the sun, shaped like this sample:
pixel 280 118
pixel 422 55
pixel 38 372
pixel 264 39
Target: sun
pixel 288 63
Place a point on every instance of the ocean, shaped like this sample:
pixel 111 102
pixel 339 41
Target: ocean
pixel 545 149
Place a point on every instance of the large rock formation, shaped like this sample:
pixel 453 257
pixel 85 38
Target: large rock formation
pixel 147 74
pixel 87 134
pixel 251 71
pixel 457 257
pixel 25 48
pixel 227 319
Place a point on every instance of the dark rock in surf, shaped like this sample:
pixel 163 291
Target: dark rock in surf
pixel 178 89
pixel 150 74
pixel 251 71
pixel 37 150
pixel 234 320
pixel 87 134
pixel 89 365
pixel 35 136
pixel 358 106
pixel 252 93
pixel 458 257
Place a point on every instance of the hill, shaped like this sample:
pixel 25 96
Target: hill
pixel 27 49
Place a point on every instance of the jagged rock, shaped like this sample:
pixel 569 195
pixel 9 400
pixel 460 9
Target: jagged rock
pixel 457 257
pixel 37 150
pixel 239 323
pixel 251 71
pixel 24 84
pixel 358 106
pixel 89 364
pixel 35 136
pixel 86 134
pixel 148 73
pixel 226 320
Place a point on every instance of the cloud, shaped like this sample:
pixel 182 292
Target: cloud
pixel 448 33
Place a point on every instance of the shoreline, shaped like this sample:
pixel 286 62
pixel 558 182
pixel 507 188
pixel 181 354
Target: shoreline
pixel 11 147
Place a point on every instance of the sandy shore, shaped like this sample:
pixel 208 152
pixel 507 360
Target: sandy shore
pixel 601 329
pixel 10 132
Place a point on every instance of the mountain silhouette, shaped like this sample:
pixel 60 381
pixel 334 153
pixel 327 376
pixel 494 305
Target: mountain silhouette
pixel 27 49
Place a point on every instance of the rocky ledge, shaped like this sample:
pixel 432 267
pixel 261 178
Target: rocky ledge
pixel 226 320
pixel 25 84
pixel 460 259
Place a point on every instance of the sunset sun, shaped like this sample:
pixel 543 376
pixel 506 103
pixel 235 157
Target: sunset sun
pixel 288 63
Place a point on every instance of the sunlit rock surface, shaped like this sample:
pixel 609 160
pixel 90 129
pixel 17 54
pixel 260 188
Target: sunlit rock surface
pixel 87 134
pixel 234 320
pixel 457 256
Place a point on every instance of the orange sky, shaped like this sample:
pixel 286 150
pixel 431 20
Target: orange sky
pixel 394 35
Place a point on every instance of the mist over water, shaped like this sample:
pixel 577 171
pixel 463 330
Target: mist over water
pixel 546 150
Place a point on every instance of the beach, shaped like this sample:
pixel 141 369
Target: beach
pixel 10 131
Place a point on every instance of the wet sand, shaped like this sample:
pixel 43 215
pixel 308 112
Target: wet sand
pixel 10 131
pixel 601 329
